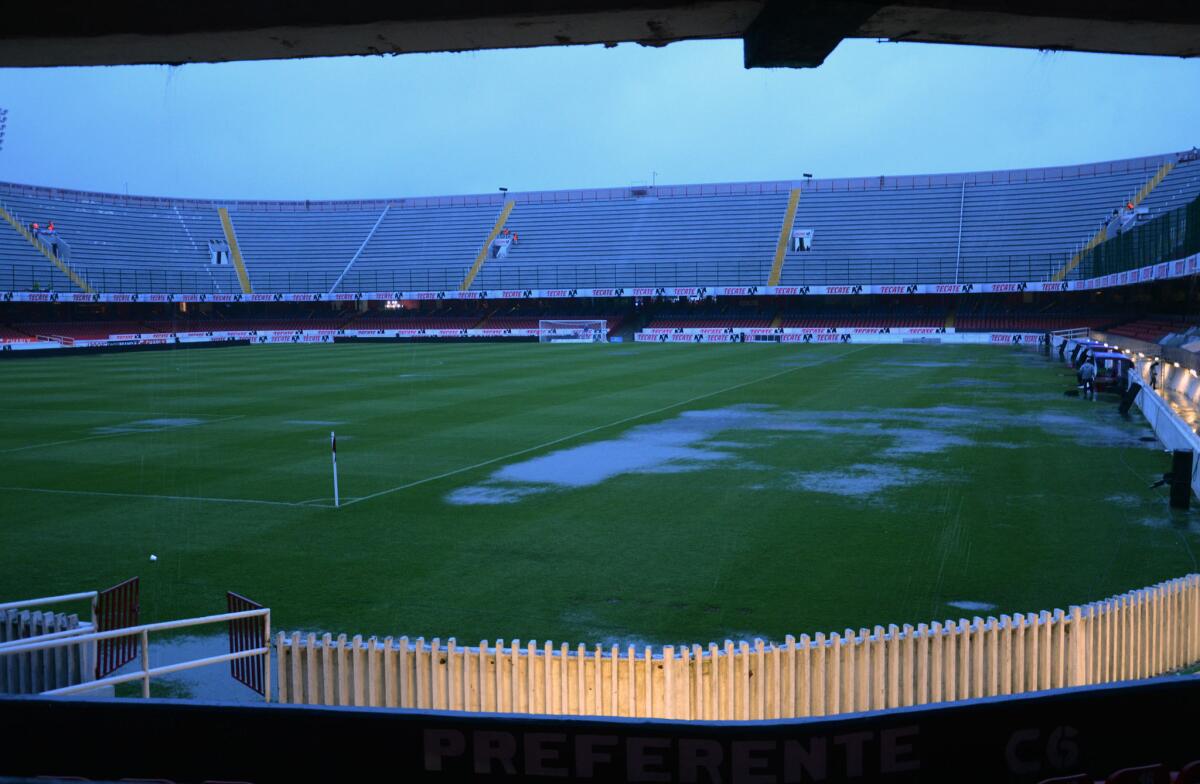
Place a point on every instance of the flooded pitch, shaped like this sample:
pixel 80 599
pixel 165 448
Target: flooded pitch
pixel 725 438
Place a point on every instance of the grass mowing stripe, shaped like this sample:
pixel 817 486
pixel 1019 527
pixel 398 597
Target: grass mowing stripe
pixel 590 430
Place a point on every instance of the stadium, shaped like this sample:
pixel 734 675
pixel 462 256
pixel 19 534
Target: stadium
pixel 719 452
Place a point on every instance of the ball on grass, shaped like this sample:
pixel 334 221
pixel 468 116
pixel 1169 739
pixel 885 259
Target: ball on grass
pixel 153 557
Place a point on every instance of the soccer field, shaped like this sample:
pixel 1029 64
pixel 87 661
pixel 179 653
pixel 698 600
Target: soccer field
pixel 582 493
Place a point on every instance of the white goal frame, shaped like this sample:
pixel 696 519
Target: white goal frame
pixel 572 331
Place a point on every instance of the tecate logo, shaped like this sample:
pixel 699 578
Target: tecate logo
pixel 603 292
pixel 945 288
pixel 893 289
pixel 1006 287
pixel 837 289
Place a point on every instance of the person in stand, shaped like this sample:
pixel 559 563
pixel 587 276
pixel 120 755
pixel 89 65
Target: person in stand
pixel 1087 373
pixel 1154 374
pixel 50 238
pixel 36 228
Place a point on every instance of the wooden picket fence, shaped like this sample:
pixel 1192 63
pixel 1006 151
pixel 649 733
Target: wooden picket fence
pixel 37 671
pixel 1136 635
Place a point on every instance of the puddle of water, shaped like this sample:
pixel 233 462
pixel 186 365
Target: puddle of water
pixel 970 383
pixel 490 494
pixel 969 605
pixel 640 449
pixel 148 425
pixel 912 441
pixel 859 480
pixel 922 363
pixel 205 683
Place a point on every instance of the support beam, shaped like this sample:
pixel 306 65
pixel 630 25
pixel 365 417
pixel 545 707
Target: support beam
pixel 801 33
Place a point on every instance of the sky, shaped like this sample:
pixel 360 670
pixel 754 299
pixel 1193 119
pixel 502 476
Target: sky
pixel 578 117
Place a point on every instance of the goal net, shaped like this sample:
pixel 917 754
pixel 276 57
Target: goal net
pixel 572 331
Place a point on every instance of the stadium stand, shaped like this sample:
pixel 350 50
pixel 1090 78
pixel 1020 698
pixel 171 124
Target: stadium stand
pixel 659 240
pixel 1155 329
pixel 1019 225
pixel 80 330
pixel 119 244
pixel 993 226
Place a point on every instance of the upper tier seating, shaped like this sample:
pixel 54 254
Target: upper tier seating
pixel 1016 225
pixel 121 245
pixel 1020 225
pixel 648 241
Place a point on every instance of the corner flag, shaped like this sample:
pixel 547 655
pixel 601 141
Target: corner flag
pixel 333 452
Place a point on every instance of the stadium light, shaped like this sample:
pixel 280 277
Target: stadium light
pixel 503 190
pixel 807 175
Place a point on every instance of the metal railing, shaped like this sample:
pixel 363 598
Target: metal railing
pixel 511 274
pixel 66 597
pixel 146 672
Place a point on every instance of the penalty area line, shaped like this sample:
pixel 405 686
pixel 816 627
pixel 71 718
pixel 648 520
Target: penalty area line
pixel 590 430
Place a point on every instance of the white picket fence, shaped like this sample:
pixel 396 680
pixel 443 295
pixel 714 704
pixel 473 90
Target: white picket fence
pixel 38 671
pixel 1136 635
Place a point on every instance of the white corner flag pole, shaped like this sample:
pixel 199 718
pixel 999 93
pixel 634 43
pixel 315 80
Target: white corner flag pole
pixel 333 449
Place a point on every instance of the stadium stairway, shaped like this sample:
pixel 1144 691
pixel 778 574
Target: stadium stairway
pixel 41 248
pixel 1101 235
pixel 482 257
pixel 235 252
pixel 789 218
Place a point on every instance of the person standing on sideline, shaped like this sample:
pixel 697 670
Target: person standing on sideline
pixel 1087 374
pixel 1154 374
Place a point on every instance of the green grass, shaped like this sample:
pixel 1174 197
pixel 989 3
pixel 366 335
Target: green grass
pixel 1021 498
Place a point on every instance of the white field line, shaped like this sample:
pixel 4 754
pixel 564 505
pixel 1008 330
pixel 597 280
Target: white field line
pixel 589 430
pixel 152 496
pixel 122 433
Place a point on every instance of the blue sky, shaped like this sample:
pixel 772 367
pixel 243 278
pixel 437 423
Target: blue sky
pixel 582 117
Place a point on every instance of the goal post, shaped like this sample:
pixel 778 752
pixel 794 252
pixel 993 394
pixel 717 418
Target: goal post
pixel 572 331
